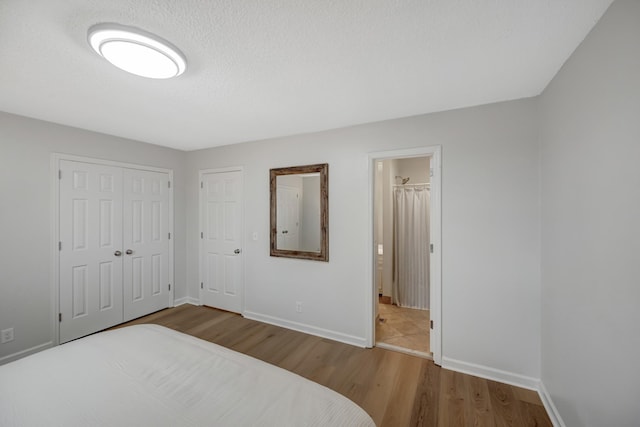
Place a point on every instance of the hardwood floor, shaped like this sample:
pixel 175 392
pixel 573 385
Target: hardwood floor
pixel 395 389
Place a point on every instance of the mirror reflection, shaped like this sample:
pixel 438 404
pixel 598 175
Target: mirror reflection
pixel 299 213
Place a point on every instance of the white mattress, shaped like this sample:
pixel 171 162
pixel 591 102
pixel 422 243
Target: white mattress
pixel 148 375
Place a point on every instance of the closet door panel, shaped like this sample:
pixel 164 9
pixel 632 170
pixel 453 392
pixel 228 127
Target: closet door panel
pixel 146 242
pixel 90 230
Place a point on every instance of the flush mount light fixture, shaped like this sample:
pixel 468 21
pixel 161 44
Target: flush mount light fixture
pixel 137 51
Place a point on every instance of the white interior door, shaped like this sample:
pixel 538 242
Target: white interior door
pixel 90 263
pixel 221 258
pixel 288 218
pixel 147 287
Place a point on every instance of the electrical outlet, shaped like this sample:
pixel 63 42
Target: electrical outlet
pixel 298 306
pixel 6 335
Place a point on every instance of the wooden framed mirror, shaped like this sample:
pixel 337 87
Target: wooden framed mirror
pixel 300 212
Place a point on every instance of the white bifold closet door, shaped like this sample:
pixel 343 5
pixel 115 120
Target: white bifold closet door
pixel 146 242
pixel 90 235
pixel 114 246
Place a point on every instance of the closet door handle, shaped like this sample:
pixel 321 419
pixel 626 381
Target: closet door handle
pixel 129 252
pixel 117 253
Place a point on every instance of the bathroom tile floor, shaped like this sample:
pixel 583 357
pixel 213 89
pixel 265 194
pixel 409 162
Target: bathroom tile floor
pixel 403 327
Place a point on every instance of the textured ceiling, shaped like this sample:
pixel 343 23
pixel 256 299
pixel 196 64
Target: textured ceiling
pixel 260 69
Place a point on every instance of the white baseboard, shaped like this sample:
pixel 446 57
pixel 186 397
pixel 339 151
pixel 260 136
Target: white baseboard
pixel 491 373
pixel 312 330
pixel 186 300
pixel 24 353
pixel 508 378
pixel 556 419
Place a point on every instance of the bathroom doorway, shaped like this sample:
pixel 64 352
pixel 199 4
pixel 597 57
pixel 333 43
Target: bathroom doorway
pixel 405 240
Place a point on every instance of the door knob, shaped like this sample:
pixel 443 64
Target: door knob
pixel 237 251
pixel 117 253
pixel 129 252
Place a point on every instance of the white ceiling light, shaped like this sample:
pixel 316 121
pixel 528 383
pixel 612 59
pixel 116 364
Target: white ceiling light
pixel 136 51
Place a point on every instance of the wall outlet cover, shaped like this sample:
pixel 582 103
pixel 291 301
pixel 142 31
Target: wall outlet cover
pixel 6 335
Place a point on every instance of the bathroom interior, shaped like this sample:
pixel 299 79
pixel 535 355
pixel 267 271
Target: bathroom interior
pixel 401 238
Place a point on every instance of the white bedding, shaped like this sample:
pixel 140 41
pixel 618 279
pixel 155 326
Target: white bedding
pixel 148 375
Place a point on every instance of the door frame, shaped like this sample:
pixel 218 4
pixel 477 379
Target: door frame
pixel 435 152
pixel 243 240
pixel 54 216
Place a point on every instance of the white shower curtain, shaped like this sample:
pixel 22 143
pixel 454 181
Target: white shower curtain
pixel 411 246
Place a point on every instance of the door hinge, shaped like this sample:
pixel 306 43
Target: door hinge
pixel 59 173
pixel 59 317
pixel 169 286
pixel 201 184
pixel 431 324
pixel 169 236
pixel 431 247
pixel 59 246
pixel 169 184
pixel 201 285
pixel 202 235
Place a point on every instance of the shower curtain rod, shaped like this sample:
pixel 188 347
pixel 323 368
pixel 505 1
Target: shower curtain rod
pixel 410 185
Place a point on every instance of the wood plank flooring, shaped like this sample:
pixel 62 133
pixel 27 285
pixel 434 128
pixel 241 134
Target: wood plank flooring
pixel 395 389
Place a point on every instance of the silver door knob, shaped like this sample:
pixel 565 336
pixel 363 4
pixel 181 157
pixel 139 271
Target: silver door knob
pixel 117 253
pixel 129 252
pixel 237 251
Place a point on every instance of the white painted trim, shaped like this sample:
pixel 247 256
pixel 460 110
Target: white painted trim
pixel 55 229
pixel 171 231
pixel 307 329
pixel 186 300
pixel 25 353
pixel 103 162
pixel 371 290
pixel 490 373
pixel 222 170
pixel 201 173
pixel 436 257
pixel 435 152
pixel 552 411
pixel 54 257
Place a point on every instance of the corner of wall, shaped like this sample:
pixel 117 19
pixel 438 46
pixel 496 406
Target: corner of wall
pixel 511 378
pixel 552 411
pixel 186 300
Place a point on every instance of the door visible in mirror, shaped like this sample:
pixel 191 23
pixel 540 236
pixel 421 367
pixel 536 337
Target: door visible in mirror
pixel 298 212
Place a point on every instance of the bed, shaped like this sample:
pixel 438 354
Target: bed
pixel 149 375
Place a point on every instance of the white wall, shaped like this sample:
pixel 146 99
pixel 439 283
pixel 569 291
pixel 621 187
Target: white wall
pixel 25 148
pixel 591 226
pixel 490 231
